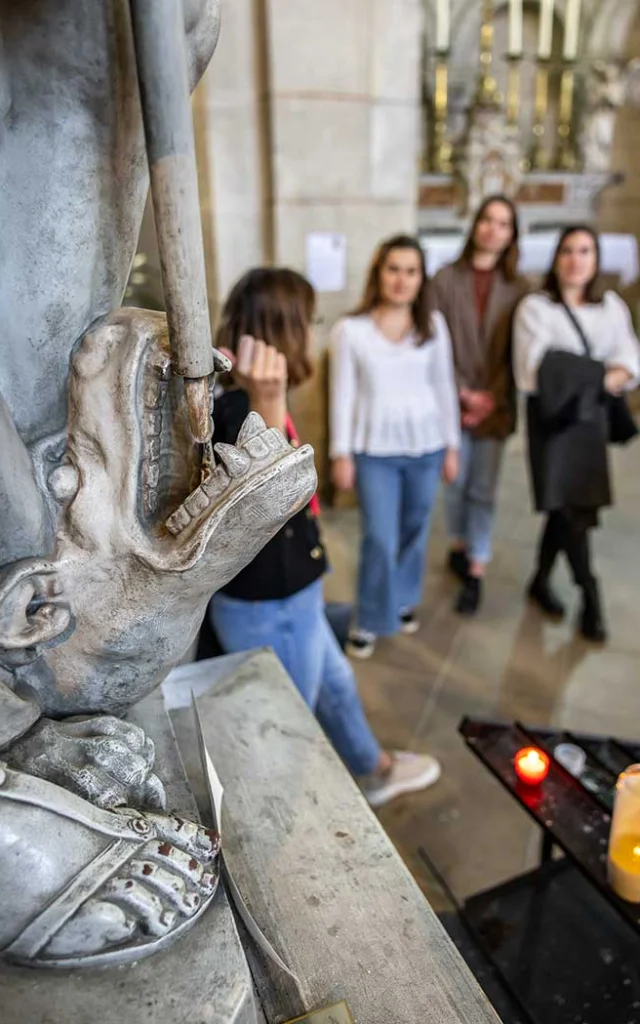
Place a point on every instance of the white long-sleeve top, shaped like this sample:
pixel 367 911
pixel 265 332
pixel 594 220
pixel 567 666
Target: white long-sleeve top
pixel 541 325
pixel 391 398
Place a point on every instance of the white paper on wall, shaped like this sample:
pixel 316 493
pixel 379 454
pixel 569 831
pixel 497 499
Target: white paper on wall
pixel 326 261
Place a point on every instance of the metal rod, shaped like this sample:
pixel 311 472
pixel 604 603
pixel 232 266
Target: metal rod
pixel 565 157
pixel 513 91
pixel 441 146
pixel 159 40
pixel 488 87
pixel 539 158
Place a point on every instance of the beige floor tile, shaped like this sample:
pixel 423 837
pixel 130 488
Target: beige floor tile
pixel 507 663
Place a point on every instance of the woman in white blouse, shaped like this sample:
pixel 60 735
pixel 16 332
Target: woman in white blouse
pixel 395 430
pixel 573 346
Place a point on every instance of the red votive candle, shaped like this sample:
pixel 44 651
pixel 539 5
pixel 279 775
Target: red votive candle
pixel 531 765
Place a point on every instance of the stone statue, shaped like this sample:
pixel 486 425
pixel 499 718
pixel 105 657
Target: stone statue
pixel 116 525
pixel 605 93
pixel 488 156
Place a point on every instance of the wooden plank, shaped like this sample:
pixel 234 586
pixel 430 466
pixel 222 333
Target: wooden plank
pixel 314 865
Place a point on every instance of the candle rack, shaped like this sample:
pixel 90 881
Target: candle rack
pixel 563 912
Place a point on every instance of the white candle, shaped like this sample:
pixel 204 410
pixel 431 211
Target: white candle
pixel 571 30
pixel 443 26
pixel 515 28
pixel 624 840
pixel 545 29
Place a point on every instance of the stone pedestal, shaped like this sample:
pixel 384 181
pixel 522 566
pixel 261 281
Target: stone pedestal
pixel 202 979
pixel 318 872
pixel 314 866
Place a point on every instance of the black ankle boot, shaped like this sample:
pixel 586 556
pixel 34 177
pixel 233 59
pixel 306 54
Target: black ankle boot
pixel 592 624
pixel 470 596
pixel 458 563
pixel 541 591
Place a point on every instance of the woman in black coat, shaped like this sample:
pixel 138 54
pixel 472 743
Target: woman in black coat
pixel 575 352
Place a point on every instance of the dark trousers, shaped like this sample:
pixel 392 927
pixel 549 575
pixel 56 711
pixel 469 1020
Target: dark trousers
pixel 565 531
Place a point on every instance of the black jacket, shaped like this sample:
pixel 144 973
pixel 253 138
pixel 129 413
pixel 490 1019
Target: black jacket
pixel 295 557
pixel 567 425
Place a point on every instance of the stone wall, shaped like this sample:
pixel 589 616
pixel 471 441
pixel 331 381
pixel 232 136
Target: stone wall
pixel 620 206
pixel 344 115
pixel 232 144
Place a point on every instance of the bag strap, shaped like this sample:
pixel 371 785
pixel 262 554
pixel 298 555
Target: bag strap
pixel 576 323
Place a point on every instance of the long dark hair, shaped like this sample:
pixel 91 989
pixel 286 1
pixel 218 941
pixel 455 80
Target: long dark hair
pixel 424 304
pixel 593 291
pixel 508 261
pixel 276 305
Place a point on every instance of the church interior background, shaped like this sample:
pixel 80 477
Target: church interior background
pixel 368 117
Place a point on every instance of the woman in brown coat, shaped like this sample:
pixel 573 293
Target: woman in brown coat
pixel 477 296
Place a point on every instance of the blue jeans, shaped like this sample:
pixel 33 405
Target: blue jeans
pixel 297 630
pixel 396 495
pixel 470 502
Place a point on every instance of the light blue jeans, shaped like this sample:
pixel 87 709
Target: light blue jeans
pixel 298 631
pixel 470 502
pixel 396 495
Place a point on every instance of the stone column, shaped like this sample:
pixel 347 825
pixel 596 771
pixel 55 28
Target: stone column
pixel 344 117
pixel 620 206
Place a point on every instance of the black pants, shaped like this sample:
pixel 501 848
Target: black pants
pixel 568 532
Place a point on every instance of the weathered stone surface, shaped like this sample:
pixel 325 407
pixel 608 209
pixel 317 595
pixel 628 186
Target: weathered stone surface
pixel 204 979
pixel 312 862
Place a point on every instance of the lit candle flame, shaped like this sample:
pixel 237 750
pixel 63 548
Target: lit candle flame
pixel 531 765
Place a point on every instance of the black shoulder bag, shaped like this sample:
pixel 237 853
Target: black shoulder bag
pixel 621 424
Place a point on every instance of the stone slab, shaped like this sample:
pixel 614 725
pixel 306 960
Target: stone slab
pixel 311 860
pixel 203 979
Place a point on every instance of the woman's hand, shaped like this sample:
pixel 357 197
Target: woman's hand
pixel 261 371
pixel 343 473
pixel 475 406
pixel 451 465
pixel 615 380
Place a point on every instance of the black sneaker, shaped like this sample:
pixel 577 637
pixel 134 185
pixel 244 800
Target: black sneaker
pixel 541 591
pixel 458 563
pixel 409 623
pixel 470 596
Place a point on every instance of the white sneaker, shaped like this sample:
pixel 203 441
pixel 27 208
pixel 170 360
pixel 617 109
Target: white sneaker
pixel 409 623
pixel 360 644
pixel 408 773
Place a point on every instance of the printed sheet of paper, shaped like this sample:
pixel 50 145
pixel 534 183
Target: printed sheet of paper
pixel 326 261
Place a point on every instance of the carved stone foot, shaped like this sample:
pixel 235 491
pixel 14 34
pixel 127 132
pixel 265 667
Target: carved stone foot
pixel 92 887
pixel 102 759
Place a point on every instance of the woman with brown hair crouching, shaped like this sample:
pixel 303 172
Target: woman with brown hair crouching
pixel 277 600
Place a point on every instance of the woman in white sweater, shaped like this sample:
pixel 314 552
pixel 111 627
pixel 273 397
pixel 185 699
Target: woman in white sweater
pixel 395 430
pixel 573 346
